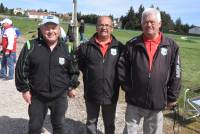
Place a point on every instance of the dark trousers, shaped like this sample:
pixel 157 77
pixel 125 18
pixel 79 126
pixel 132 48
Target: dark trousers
pixel 108 113
pixel 38 110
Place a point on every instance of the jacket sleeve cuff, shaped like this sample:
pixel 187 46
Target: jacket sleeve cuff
pixel 74 84
pixel 24 90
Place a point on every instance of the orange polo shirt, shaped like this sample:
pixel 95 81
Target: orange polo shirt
pixel 151 47
pixel 103 45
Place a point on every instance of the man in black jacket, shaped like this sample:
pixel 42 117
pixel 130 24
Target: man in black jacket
pixel 45 72
pixel 97 60
pixel 149 70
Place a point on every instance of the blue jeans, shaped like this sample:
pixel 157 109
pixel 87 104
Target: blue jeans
pixel 8 61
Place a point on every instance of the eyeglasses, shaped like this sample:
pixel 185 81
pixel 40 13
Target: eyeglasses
pixel 104 25
pixel 147 22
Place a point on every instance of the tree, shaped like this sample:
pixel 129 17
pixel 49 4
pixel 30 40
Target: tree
pixel 185 28
pixel 178 25
pixel 167 22
pixel 2 8
pixel 139 17
pixel 140 11
pixel 130 21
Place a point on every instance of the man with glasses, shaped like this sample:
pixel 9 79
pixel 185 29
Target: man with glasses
pixel 97 60
pixel 149 71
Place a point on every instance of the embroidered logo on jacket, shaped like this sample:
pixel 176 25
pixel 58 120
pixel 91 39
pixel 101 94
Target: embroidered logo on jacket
pixel 113 51
pixel 61 61
pixel 164 51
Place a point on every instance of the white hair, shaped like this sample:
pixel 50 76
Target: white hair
pixel 150 11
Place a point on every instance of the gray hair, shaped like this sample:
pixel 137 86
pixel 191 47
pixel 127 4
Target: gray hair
pixel 150 11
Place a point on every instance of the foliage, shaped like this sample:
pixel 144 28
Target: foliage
pixel 132 21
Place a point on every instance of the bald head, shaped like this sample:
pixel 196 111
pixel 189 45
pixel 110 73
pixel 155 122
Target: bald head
pixel 100 18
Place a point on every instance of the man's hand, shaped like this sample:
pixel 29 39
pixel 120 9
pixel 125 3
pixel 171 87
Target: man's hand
pixel 72 93
pixel 27 96
pixel 171 105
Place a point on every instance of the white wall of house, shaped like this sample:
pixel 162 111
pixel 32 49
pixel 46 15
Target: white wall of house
pixel 35 16
pixel 194 30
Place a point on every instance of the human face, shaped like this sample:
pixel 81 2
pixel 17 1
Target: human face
pixel 5 25
pixel 50 32
pixel 104 27
pixel 151 26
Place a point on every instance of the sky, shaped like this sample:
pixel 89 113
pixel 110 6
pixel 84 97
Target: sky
pixel 187 10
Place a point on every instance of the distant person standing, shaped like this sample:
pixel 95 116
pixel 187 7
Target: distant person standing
pixel 82 29
pixel 97 60
pixel 1 48
pixel 150 73
pixel 9 44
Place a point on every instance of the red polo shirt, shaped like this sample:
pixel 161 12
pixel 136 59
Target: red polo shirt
pixel 103 45
pixel 151 47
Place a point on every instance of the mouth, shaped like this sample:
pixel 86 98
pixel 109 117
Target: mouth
pixel 103 31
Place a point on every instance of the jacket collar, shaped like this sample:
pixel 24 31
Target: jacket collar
pixel 93 42
pixel 140 42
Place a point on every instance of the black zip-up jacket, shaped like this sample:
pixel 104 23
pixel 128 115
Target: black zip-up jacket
pixel 44 72
pixel 150 89
pixel 101 84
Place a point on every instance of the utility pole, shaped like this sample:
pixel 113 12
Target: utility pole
pixel 75 25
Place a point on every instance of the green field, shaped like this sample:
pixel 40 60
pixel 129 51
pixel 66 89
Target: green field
pixel 189 46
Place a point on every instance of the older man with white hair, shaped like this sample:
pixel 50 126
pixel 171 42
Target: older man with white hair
pixel 149 71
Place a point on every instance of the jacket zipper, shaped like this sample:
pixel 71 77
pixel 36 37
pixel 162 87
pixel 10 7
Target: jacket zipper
pixel 50 89
pixel 149 75
pixel 147 99
pixel 103 77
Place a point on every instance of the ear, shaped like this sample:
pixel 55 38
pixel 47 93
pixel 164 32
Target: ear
pixel 160 23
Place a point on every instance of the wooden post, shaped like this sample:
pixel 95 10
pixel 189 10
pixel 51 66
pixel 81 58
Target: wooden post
pixel 75 25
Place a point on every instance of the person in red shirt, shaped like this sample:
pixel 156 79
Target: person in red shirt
pixel 97 59
pixel 9 44
pixel 149 72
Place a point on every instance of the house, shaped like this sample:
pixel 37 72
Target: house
pixel 195 30
pixel 117 23
pixel 18 10
pixel 33 14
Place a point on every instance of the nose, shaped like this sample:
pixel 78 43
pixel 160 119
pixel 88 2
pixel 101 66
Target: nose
pixel 148 23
